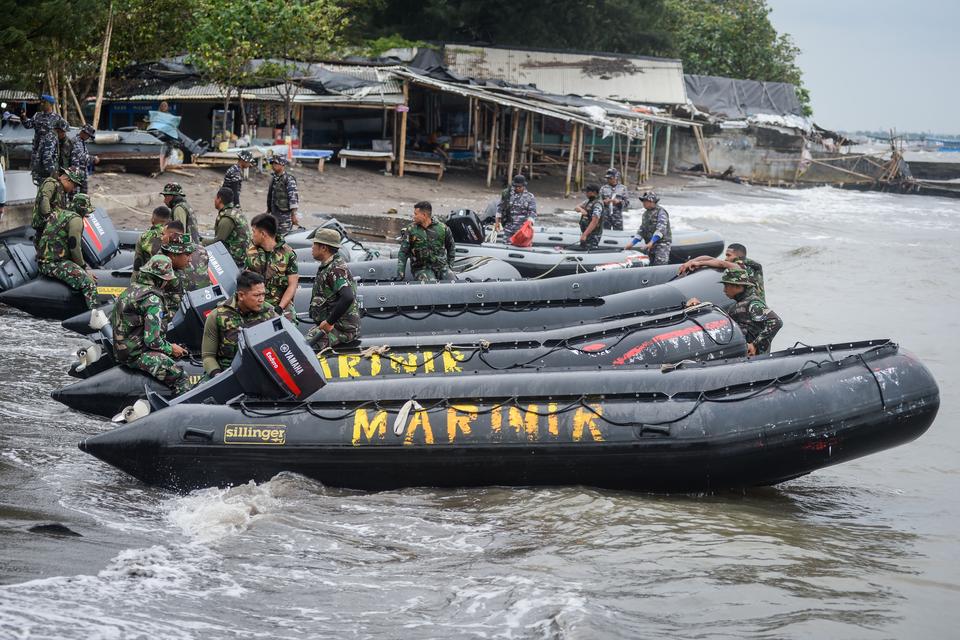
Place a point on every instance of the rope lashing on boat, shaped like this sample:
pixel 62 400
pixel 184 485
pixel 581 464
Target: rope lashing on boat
pixel 400 422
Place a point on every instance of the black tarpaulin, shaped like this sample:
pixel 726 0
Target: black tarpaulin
pixel 734 99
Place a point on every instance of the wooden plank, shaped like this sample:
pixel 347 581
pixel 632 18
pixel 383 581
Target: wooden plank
pixel 493 145
pixel 514 126
pixel 570 154
pixel 666 151
pixel 403 127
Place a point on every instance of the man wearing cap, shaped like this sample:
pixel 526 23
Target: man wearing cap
pixel 65 147
pixel 276 261
pixel 150 241
pixel 654 232
pixel 221 331
pixel 428 245
pixel 333 305
pixel 231 227
pixel 54 193
pixel 179 247
pixel 283 198
pixel 60 252
pixel 591 218
pixel 615 200
pixel 80 155
pixel 511 214
pixel 735 257
pixel 758 323
pixel 43 160
pixel 234 176
pixel 173 197
pixel 196 275
pixel 138 319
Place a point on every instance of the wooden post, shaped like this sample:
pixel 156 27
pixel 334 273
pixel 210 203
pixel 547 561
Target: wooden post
pixel 403 127
pixel 666 151
pixel 104 58
pixel 593 142
pixel 570 154
pixel 514 125
pixel 76 103
pixel 493 144
pixel 626 162
pixel 528 144
pixel 702 146
pixel 580 160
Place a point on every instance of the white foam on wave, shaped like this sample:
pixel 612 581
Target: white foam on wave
pixel 208 515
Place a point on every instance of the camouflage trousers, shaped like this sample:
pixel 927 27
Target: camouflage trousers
pixel 284 222
pixel 613 219
pixel 162 368
pixel 433 274
pixel 72 275
pixel 320 340
pixel 660 254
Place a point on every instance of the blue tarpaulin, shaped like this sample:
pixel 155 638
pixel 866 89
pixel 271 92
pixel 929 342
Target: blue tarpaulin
pixel 165 123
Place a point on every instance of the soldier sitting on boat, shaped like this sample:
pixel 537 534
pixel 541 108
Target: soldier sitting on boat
pixel 758 323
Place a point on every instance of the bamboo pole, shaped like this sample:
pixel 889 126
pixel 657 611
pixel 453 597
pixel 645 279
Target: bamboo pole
pixel 104 58
pixel 580 160
pixel 626 162
pixel 403 127
pixel 666 151
pixel 570 154
pixel 514 126
pixel 76 103
pixel 527 155
pixel 493 144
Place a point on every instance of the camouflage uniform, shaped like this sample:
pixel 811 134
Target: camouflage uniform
pixel 60 252
pixel 331 278
pixel 755 271
pixel 148 245
pixel 657 221
pixel 225 323
pixel 520 207
pixel 238 240
pixel 594 208
pixel 282 198
pixel 431 251
pixel 80 157
pixel 138 328
pixel 194 276
pixel 758 323
pixel 50 197
pixel 275 267
pixel 44 160
pixel 180 210
pixel 234 181
pixel 613 215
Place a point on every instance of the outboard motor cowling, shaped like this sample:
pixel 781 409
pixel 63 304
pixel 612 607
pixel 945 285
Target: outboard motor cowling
pixel 186 327
pixel 279 349
pixel 221 268
pixel 466 227
pixel 18 264
pixel 100 239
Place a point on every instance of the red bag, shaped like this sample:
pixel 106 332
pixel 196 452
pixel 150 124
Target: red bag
pixel 524 235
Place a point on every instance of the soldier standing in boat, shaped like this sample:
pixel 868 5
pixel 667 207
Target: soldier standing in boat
pixel 273 259
pixel 591 218
pixel 54 193
pixel 221 330
pixel 150 241
pixel 80 155
pixel 234 176
pixel 231 227
pixel 179 209
pixel 758 322
pixel 65 146
pixel 43 160
pixel 654 232
pixel 614 196
pixel 735 257
pixel 333 305
pixel 283 197
pixel 513 212
pixel 428 245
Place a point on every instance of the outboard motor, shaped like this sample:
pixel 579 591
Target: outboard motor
pixel 100 239
pixel 273 362
pixel 186 327
pixel 466 227
pixel 18 264
pixel 222 269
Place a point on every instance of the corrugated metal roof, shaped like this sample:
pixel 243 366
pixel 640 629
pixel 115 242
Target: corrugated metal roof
pixel 12 95
pixel 627 78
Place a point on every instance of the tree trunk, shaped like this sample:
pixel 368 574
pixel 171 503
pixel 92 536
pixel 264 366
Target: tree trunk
pixel 226 110
pixel 104 58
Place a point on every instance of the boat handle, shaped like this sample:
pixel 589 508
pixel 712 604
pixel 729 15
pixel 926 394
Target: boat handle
pixel 515 255
pixel 193 433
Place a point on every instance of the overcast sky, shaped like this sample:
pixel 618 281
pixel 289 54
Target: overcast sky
pixel 877 64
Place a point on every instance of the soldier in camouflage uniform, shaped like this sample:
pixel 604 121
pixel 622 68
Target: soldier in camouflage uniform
pixel 654 232
pixel 334 303
pixel 591 218
pixel 273 259
pixel 80 155
pixel 283 198
pixel 138 327
pixel 43 160
pixel 511 214
pixel 615 199
pixel 180 249
pixel 758 323
pixel 196 275
pixel 735 257
pixel 149 242
pixel 174 199
pixel 222 328
pixel 231 227
pixel 428 245
pixel 234 176
pixel 65 146
pixel 53 194
pixel 60 250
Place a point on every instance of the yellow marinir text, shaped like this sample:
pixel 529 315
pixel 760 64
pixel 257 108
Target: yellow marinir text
pixel 345 366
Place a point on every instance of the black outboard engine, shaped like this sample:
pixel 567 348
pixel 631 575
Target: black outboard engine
pixel 466 227
pixel 186 327
pixel 273 362
pixel 221 268
pixel 18 264
pixel 100 239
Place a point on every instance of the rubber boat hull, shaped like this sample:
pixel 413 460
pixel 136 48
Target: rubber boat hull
pixel 701 333
pixel 704 427
pixel 686 244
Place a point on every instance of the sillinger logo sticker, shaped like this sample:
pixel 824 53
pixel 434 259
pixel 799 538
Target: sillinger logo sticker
pixel 255 434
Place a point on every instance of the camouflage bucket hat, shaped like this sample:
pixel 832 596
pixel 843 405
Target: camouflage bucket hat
pixel 329 237
pixel 89 130
pixel 246 156
pixel 179 245
pixel 736 276
pixel 82 204
pixel 61 125
pixel 651 196
pixel 278 160
pixel 612 173
pixel 172 189
pixel 75 174
pixel 159 267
